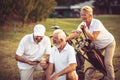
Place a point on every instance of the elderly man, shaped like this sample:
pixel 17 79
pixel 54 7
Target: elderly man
pixel 62 62
pixel 100 36
pixel 30 52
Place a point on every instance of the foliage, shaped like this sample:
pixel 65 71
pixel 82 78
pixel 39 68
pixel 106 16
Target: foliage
pixel 26 10
pixel 105 5
pixel 42 10
pixel 5 10
pixel 69 2
pixel 102 3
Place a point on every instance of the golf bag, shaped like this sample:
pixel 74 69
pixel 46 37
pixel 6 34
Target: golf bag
pixel 85 49
pixel 93 56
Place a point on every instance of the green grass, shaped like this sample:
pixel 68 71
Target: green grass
pixel 9 41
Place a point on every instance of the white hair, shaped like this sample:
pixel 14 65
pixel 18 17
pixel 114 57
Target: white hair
pixel 61 34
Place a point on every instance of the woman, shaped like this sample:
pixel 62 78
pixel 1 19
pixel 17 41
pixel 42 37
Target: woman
pixel 100 36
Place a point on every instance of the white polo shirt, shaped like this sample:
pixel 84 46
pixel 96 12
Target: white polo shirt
pixel 62 59
pixel 32 51
pixel 104 38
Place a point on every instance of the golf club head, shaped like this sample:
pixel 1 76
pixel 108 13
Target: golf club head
pixel 55 27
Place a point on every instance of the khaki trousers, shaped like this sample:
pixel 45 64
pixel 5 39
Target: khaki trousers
pixel 27 74
pixel 108 57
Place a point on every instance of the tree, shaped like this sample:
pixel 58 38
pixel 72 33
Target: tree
pixel 69 2
pixel 26 10
pixel 34 10
pixel 42 10
pixel 103 5
pixel 5 10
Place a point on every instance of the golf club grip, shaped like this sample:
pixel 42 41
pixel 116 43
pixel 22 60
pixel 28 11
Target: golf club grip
pixel 84 32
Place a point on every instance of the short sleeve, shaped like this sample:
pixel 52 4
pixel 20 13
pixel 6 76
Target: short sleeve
pixel 97 26
pixel 48 46
pixel 20 49
pixel 51 59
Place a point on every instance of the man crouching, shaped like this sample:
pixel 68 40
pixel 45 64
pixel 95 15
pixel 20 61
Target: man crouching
pixel 62 61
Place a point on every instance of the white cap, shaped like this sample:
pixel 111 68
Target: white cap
pixel 39 30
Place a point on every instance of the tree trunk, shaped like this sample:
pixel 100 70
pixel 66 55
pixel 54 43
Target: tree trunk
pixel 23 22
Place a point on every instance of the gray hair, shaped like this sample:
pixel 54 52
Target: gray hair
pixel 61 34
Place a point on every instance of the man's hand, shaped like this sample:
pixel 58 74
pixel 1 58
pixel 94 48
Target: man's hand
pixel 32 62
pixel 75 34
pixel 24 60
pixel 43 63
pixel 54 77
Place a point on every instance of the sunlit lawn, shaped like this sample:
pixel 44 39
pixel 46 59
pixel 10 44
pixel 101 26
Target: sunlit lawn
pixel 9 41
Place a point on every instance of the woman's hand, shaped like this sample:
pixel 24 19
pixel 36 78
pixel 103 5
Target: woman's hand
pixel 83 27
